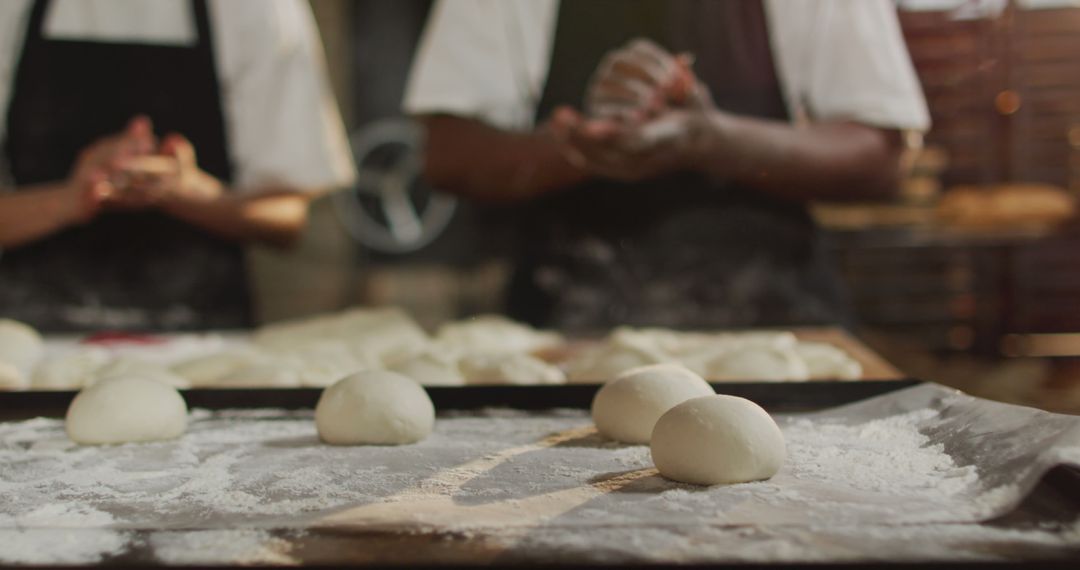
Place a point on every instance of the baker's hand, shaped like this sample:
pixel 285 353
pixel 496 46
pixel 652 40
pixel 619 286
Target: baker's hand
pixel 172 174
pixel 640 81
pixel 630 152
pixel 91 185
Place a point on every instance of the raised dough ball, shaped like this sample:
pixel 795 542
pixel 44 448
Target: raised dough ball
pixel 70 371
pixel 130 366
pixel 762 364
pixel 509 368
pixel 264 374
pixel 323 362
pixel 717 439
pixel 493 333
pixel 207 370
pixel 626 408
pixel 431 369
pixel 615 356
pixel 826 361
pixel 126 409
pixel 374 407
pixel 11 378
pixel 20 345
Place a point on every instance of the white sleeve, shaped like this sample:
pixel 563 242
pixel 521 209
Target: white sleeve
pixel 284 126
pixel 485 59
pixel 846 60
pixel 13 21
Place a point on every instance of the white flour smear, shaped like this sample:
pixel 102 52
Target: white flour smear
pixel 534 479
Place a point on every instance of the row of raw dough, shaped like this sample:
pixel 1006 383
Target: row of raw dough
pixel 486 349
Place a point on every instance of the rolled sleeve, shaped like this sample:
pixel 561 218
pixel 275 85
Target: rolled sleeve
pixel 484 59
pixel 847 60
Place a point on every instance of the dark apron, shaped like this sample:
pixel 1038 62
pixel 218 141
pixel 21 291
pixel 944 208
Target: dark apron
pixel 679 251
pixel 123 270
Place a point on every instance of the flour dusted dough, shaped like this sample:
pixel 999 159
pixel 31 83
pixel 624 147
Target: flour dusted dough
pixel 617 355
pixel 126 409
pixel 264 374
pixel 509 368
pixel 208 370
pixel 388 334
pixel 20 346
pixel 717 439
pixel 493 333
pixel 11 378
pixel 626 408
pixel 431 368
pixel 758 363
pixel 374 407
pixel 828 362
pixel 134 367
pixel 70 371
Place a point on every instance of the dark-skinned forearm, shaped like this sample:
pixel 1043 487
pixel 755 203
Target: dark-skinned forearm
pixel 30 214
pixel 471 159
pixel 824 161
pixel 273 218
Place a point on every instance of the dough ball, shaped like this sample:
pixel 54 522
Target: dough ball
pixel 431 369
pixel 133 367
pixel 827 362
pixel 717 439
pixel 323 362
pixel 11 378
pixel 20 346
pixel 509 368
pixel 626 408
pixel 70 371
pixel 209 369
pixel 126 409
pixel 374 407
pixel 760 364
pixel 617 355
pixel 388 333
pixel 493 333
pixel 264 374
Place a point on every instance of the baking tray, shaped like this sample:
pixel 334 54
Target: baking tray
pixel 773 396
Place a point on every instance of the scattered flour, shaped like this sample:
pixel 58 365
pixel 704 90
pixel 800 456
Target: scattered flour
pixel 532 480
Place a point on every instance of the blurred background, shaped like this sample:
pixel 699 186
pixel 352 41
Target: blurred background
pixel 970 278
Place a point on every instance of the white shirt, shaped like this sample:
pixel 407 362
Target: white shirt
pixel 282 122
pixel 835 60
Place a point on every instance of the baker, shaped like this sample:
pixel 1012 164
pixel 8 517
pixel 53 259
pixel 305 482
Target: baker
pixel 662 153
pixel 146 143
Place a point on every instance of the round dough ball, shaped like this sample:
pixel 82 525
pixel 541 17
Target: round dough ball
pixel 509 368
pixel 276 373
pixel 374 407
pixel 70 371
pixel 133 367
pixel 208 369
pixel 20 345
pixel 126 409
pixel 11 378
pixel 431 369
pixel 760 364
pixel 493 333
pixel 717 439
pixel 825 361
pixel 626 409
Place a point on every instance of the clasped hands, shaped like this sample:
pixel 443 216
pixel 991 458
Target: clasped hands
pixel 132 170
pixel 645 116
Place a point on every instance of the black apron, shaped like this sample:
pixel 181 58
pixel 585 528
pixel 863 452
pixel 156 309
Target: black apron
pixel 123 270
pixel 679 251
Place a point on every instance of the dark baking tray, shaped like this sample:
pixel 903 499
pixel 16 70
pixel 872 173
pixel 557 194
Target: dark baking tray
pixel 773 396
